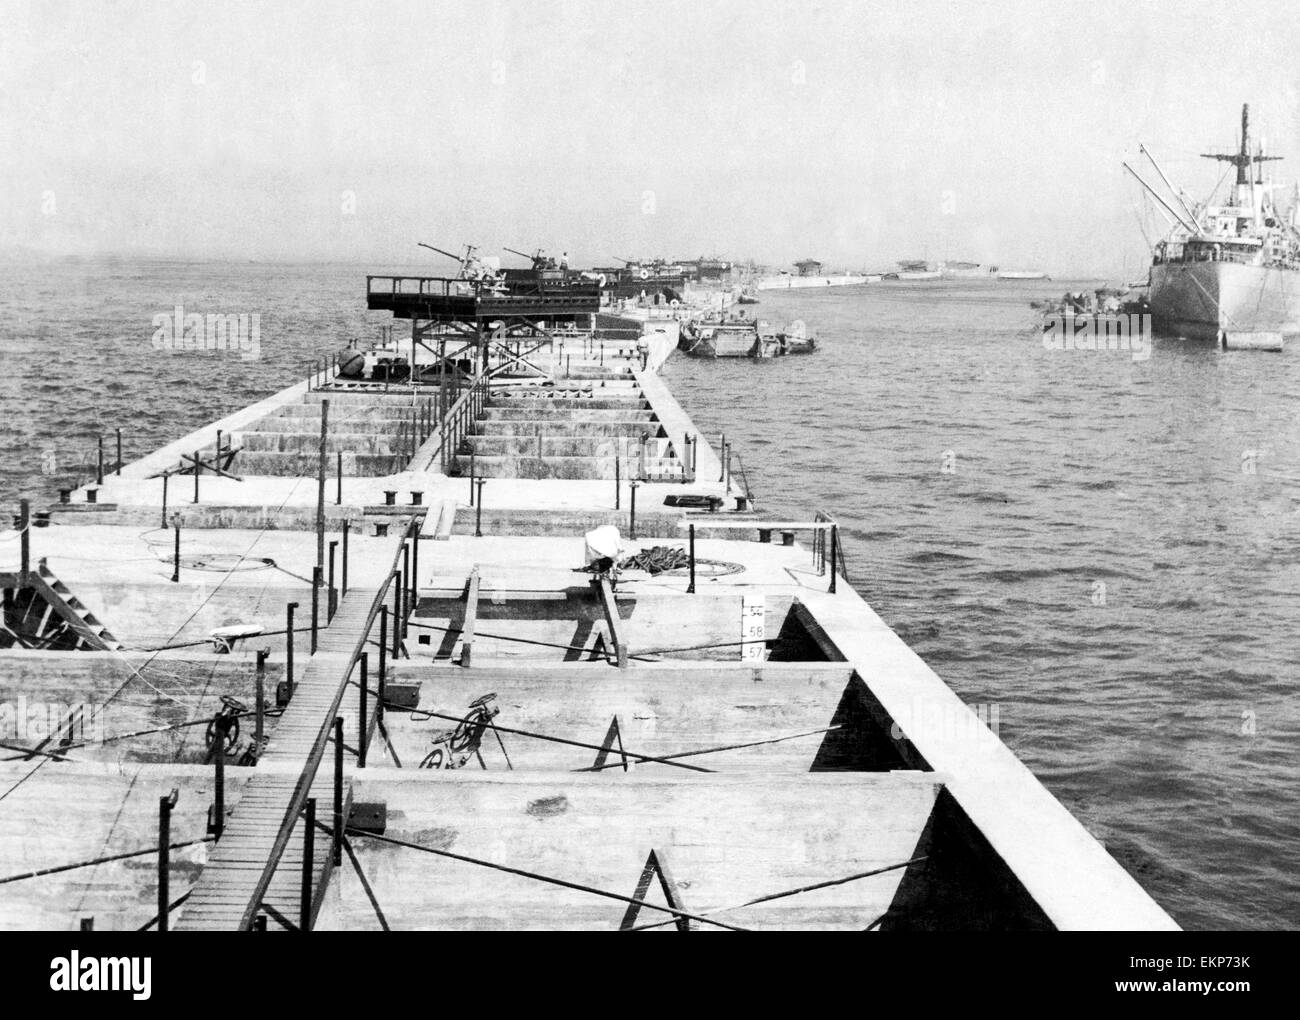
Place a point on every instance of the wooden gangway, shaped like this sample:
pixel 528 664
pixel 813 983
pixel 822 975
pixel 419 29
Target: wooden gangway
pixel 256 867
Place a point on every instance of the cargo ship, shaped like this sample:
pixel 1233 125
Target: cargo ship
pixel 472 628
pixel 1229 272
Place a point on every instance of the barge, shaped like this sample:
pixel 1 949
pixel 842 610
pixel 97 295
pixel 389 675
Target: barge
pixel 432 707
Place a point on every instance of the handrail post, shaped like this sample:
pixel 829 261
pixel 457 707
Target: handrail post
pixel 288 655
pixel 259 723
pixel 197 468
pixel 119 452
pixel 383 641
pixel 397 616
pixel 338 790
pixel 331 602
pixel 363 725
pixel 835 548
pixel 99 470
pixel 176 553
pixel 219 762
pixel 308 865
pixel 315 607
pixel 690 589
pixel 347 526
pixel 165 805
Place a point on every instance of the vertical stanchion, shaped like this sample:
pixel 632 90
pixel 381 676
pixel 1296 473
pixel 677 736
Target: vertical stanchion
pixel 835 554
pixel 406 585
pixel 320 487
pixel 176 551
pixel 25 539
pixel 164 506
pixel 618 474
pixel 397 616
pixel 198 467
pixel 347 526
pixel 722 450
pixel 478 510
pixel 119 452
pixel 415 569
pixel 338 473
pixel 363 717
pixel 473 473
pixel 99 470
pixel 219 762
pixel 332 600
pixel 165 805
pixel 259 722
pixel 632 507
pixel 691 587
pixel 383 645
pixel 338 790
pixel 308 864
pixel 315 608
pixel 288 651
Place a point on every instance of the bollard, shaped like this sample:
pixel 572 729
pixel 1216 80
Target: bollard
pixel 315 607
pixel 308 865
pixel 259 723
pixel 390 497
pixel 65 497
pixel 417 497
pixel 363 718
pixel 165 805
pixel 92 495
pixel 765 534
pixel 478 510
pixel 690 588
pixel 787 538
pixel 176 554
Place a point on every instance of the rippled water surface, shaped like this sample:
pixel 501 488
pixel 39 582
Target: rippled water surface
pixel 1105 548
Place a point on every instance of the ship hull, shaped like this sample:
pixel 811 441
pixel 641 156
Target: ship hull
pixel 1205 300
pixel 798 282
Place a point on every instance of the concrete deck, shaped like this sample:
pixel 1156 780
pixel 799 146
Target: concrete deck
pixel 826 688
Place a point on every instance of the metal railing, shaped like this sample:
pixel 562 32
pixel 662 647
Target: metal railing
pixel 460 418
pixel 302 789
pixel 826 545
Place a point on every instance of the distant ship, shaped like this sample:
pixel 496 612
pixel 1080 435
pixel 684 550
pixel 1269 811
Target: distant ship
pixel 1022 274
pixel 809 275
pixel 1228 273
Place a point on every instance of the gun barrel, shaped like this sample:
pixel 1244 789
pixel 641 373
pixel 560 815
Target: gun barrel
pixel 438 250
pixel 516 251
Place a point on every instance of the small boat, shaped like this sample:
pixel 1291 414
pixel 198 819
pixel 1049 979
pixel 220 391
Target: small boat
pixel 746 298
pixel 1022 274
pixel 743 338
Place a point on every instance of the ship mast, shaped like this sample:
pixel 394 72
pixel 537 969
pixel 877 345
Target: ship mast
pixel 1243 160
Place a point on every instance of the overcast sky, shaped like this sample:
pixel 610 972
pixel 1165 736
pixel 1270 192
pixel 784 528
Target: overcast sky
pixel 857 133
